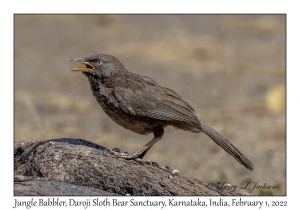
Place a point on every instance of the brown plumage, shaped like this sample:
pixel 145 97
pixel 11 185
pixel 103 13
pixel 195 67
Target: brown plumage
pixel 141 105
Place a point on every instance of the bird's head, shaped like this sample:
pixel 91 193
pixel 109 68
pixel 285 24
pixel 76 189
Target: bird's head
pixel 98 65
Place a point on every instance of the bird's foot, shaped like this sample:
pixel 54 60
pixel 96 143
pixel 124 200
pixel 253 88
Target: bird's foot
pixel 117 152
pixel 142 161
pixel 125 155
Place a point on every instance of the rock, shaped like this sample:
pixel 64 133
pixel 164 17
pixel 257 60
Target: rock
pixel 79 167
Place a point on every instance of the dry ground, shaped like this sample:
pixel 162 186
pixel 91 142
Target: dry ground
pixel 230 68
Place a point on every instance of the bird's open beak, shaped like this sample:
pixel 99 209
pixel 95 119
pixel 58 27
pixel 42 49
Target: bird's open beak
pixel 87 67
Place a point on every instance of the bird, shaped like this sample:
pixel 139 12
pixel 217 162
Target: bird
pixel 141 105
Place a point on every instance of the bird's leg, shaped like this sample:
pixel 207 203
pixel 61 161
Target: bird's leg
pixel 140 153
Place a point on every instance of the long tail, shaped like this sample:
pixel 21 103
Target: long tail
pixel 227 146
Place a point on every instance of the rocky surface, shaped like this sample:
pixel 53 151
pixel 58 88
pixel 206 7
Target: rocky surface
pixel 79 167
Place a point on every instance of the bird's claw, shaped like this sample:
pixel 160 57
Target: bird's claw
pixel 142 161
pixel 118 153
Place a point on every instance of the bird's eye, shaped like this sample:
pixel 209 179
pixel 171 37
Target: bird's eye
pixel 99 63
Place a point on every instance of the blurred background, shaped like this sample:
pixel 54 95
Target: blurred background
pixel 230 68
